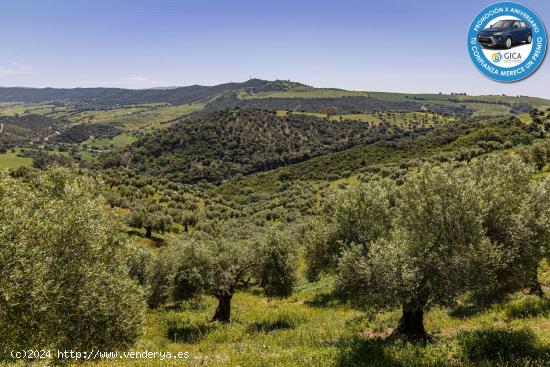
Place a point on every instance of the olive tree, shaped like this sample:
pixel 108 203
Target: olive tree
pixel 329 111
pixel 359 215
pixel 64 282
pixel 436 250
pixel 152 218
pixel 217 266
pixel 478 229
pixel 515 220
pixel 431 249
pixel 534 218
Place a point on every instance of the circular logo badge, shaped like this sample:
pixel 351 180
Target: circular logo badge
pixel 507 41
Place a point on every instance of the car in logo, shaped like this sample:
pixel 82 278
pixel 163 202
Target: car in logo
pixel 505 33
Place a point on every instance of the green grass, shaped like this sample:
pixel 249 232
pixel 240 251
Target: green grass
pixel 500 344
pixel 188 330
pixel 486 109
pixel 11 160
pixel 137 117
pixel 310 329
pixel 528 307
pixel 11 108
pixel 118 141
pixel 86 156
pixel 20 108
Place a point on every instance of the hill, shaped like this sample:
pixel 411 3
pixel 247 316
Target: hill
pixel 119 96
pixel 16 130
pixel 273 95
pixel 223 144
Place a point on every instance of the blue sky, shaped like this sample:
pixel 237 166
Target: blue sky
pixel 386 45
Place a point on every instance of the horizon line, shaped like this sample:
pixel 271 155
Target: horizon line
pixel 161 87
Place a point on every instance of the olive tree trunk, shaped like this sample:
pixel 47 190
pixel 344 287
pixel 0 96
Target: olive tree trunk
pixel 535 288
pixel 223 311
pixel 411 324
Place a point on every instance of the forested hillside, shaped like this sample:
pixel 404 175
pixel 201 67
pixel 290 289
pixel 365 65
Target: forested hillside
pixel 236 141
pixel 341 105
pixel 19 130
pixel 117 96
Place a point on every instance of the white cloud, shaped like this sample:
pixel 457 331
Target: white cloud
pixel 16 68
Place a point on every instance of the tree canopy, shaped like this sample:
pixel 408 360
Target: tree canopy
pixel 63 276
pixel 447 231
pixel 217 266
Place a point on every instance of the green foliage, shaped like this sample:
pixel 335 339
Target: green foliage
pixel 19 130
pixel 139 263
pixel 436 249
pixel 161 278
pixel 216 266
pixel 395 229
pixel 358 216
pixel 234 141
pixel 455 141
pixel 44 160
pixel 152 218
pixel 81 132
pixel 277 257
pixel 515 219
pixel 64 280
pixel 448 230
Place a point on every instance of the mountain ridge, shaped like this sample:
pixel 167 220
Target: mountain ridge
pixel 187 94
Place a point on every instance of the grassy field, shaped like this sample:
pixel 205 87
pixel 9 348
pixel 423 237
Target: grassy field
pixel 19 108
pixel 310 328
pixel 11 160
pixel 119 141
pixel 131 117
pixel 137 117
pixel 484 109
pixel 11 108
